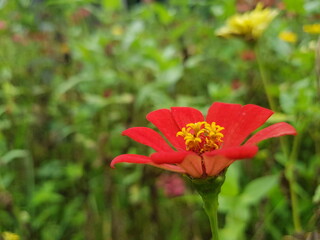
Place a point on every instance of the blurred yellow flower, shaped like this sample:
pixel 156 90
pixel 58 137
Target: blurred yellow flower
pixel 288 36
pixel 117 30
pixel 312 28
pixel 249 25
pixel 10 236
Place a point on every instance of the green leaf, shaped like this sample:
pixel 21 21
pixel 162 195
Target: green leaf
pixel 112 4
pixel 46 194
pixel 316 196
pixel 236 222
pixel 164 14
pixel 74 171
pixel 68 85
pixel 312 7
pixel 68 2
pixel 14 154
pixel 296 6
pixel 258 188
pixel 171 75
pixel 231 185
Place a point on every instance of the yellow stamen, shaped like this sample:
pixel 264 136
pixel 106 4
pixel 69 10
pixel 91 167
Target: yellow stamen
pixel 201 137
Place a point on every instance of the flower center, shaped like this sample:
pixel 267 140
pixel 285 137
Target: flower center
pixel 201 137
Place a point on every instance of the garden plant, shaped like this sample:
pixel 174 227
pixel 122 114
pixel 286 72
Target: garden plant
pixel 219 102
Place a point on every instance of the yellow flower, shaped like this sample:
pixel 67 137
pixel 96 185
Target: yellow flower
pixel 288 36
pixel 312 28
pixel 249 25
pixel 10 236
pixel 117 30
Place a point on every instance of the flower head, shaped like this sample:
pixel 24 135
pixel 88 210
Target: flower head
pixel 249 25
pixel 289 37
pixel 201 137
pixel 203 147
pixel 312 28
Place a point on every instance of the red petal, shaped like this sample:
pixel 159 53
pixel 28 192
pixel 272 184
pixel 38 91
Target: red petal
pixel 275 130
pixel 239 152
pixel 250 118
pixel 130 158
pixel 168 157
pixel 148 137
pixel 140 159
pixel 192 165
pixel 185 115
pixel 216 164
pixel 188 161
pixel 223 114
pixel 163 120
pixel 169 167
pixel 216 161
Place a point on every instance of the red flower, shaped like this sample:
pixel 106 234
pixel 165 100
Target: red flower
pixel 203 147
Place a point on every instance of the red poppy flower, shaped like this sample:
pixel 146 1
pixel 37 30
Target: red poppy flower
pixel 199 146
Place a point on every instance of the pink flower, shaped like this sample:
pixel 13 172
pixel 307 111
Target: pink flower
pixel 3 25
pixel 80 14
pixel 203 147
pixel 17 38
pixel 172 185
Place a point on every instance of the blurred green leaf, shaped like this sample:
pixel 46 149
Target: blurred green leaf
pixel 68 85
pixel 171 75
pixel 67 2
pixel 258 188
pixel 51 169
pixel 312 6
pixel 74 171
pixel 316 196
pixel 231 184
pixel 46 194
pixel 112 4
pixel 296 6
pixel 14 154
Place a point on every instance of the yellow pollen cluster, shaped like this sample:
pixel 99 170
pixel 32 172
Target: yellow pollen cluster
pixel 201 137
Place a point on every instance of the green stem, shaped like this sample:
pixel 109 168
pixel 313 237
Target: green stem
pixel 211 208
pixel 264 78
pixel 291 160
pixel 294 204
pixel 209 189
pixel 290 174
pixel 317 66
pixel 265 82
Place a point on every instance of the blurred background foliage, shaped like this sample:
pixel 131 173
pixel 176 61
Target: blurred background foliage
pixel 75 73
